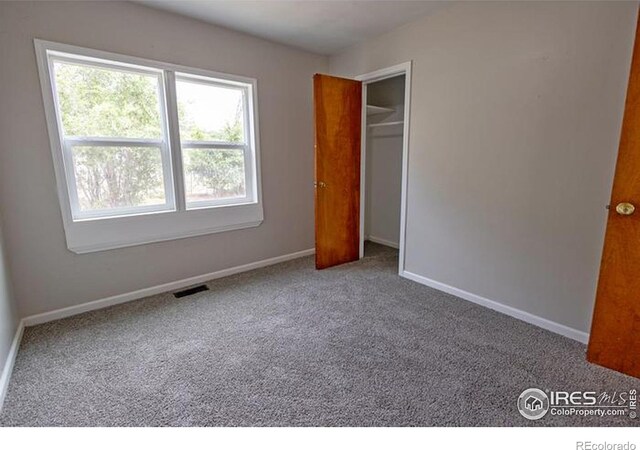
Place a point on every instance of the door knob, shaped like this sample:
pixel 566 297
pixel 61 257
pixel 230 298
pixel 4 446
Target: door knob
pixel 320 184
pixel 625 209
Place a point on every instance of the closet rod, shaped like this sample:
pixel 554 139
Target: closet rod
pixel 385 124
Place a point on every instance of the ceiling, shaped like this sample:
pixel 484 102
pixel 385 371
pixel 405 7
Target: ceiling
pixel 323 27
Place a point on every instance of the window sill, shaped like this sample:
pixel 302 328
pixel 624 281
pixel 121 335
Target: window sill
pixel 106 234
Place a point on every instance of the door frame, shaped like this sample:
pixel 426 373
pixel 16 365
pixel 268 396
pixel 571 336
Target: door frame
pixel 372 77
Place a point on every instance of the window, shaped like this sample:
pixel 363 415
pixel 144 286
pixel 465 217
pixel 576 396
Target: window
pixel 114 138
pixel 147 151
pixel 215 150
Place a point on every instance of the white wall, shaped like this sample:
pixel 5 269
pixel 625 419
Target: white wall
pixel 383 173
pixel 515 121
pixel 46 275
pixel 8 314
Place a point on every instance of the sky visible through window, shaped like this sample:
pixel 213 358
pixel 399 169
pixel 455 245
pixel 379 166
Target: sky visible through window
pixel 207 110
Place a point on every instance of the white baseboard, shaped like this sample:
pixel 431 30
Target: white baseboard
pixel 541 322
pixel 159 289
pixel 381 241
pixel 5 377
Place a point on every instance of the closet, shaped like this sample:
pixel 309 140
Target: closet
pixel 383 160
pixel 361 156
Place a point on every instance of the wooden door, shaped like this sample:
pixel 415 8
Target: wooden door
pixel 337 116
pixel 615 330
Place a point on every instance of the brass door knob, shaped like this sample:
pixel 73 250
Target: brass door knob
pixel 625 209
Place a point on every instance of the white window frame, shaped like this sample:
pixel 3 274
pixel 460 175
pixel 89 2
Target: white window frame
pixel 102 230
pixel 67 143
pixel 245 146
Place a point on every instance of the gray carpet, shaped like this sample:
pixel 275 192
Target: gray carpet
pixel 289 346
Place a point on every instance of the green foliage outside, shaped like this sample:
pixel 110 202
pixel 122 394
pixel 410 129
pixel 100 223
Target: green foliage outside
pixel 106 103
pixel 221 172
pixel 212 173
pixel 114 177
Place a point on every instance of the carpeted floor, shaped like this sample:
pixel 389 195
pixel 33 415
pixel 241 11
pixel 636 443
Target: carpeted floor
pixel 287 345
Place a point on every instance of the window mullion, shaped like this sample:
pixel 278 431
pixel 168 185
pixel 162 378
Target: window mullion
pixel 174 139
pixel 165 147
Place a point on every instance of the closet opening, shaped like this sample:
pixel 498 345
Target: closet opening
pixel 385 98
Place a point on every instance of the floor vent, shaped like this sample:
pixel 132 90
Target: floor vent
pixel 191 291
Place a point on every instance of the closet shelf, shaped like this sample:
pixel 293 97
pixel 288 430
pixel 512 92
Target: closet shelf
pixel 372 110
pixel 385 124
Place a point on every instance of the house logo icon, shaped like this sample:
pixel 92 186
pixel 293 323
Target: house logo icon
pixel 533 404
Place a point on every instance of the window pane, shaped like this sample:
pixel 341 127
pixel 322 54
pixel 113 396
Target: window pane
pixel 213 174
pixel 209 112
pixel 118 177
pixel 100 102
